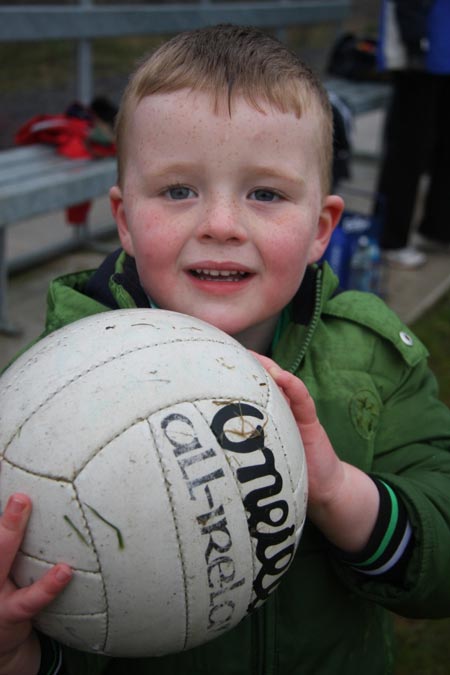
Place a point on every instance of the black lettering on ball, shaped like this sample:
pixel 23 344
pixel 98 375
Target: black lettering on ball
pixel 260 503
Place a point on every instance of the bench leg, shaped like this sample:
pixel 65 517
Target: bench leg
pixel 5 326
pixel 89 242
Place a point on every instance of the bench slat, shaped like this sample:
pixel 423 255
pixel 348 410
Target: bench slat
pixel 46 169
pixel 24 153
pixel 25 199
pixel 361 97
pixel 23 23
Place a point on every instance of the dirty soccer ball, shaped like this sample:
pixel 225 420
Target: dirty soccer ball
pixel 164 466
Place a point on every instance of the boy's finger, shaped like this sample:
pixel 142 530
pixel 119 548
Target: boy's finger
pixel 15 515
pixel 300 400
pixel 295 391
pixel 26 602
pixel 13 523
pixel 264 360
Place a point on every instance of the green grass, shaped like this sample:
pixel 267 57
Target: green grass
pixel 46 65
pixel 423 647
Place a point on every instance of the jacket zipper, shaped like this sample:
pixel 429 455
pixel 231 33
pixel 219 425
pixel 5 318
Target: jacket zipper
pixel 264 638
pixel 313 323
pixel 264 619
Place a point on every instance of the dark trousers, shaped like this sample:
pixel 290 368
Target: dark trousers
pixel 416 141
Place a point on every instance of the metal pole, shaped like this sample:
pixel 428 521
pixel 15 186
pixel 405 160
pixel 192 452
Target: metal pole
pixel 84 66
pixel 5 326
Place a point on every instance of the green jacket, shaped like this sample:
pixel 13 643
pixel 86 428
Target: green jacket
pixel 377 400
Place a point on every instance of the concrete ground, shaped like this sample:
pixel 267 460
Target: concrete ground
pixel 409 293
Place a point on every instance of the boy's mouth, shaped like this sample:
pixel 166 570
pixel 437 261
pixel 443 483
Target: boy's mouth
pixel 219 275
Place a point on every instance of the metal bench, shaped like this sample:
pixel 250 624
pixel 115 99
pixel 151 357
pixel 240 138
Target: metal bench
pixel 36 180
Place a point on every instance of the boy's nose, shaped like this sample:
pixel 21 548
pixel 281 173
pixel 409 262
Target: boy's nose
pixel 223 221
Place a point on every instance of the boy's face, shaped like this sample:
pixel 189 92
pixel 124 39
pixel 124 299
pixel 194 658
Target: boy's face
pixel 222 214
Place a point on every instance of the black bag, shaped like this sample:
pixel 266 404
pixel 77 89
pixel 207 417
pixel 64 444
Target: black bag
pixel 342 139
pixel 354 58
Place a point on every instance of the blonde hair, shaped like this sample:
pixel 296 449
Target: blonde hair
pixel 229 61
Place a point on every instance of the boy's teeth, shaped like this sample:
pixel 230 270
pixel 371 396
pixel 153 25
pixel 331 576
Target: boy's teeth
pixel 220 273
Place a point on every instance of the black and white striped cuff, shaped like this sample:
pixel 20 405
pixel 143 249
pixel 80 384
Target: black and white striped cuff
pixel 390 545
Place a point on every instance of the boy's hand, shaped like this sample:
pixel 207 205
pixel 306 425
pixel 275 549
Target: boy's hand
pixel 19 648
pixel 343 501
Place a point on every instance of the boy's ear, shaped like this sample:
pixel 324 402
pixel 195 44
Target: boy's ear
pixel 329 217
pixel 118 211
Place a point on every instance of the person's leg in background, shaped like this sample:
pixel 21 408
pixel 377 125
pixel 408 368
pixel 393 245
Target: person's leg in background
pixel 434 229
pixel 406 147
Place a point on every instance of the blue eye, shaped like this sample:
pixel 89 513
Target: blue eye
pixel 179 192
pixel 263 195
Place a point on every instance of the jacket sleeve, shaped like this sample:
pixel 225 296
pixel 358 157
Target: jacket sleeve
pixel 412 455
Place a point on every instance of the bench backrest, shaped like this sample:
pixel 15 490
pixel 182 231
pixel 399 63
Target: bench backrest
pixel 88 21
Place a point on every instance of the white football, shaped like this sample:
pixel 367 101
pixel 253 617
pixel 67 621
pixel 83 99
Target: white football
pixel 164 466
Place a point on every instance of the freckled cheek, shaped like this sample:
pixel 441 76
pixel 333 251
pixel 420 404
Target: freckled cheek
pixel 159 247
pixel 286 247
pixel 149 231
pixel 285 264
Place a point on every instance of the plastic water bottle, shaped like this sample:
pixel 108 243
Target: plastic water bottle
pixel 365 266
pixel 338 255
pixel 376 281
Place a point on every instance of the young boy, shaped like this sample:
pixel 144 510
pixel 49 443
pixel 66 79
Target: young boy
pixel 222 207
